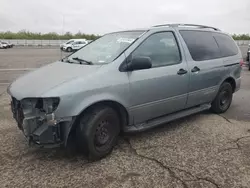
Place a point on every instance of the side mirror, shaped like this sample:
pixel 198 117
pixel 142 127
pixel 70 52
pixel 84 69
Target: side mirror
pixel 139 63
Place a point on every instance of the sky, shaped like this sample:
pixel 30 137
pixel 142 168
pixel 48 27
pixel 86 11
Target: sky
pixel 103 16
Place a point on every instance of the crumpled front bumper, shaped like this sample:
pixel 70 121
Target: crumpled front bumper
pixel 42 131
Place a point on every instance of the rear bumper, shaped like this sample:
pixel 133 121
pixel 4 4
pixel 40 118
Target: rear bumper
pixel 237 84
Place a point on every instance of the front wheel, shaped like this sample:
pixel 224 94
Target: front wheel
pixel 223 99
pixel 98 131
pixel 69 49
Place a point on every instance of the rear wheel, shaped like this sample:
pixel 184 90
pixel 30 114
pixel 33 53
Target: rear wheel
pixel 223 99
pixel 97 132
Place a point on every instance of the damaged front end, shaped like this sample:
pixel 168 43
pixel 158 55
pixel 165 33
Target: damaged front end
pixel 36 118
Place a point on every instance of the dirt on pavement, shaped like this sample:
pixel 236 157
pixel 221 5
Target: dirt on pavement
pixel 204 150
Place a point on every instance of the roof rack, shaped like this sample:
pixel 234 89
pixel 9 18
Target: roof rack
pixel 188 25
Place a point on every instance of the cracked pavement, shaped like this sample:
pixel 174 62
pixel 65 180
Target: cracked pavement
pixel 203 150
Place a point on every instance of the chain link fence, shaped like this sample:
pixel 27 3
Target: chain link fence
pixel 35 43
pixel 56 43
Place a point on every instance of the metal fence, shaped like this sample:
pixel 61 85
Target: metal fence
pixel 58 42
pixel 243 42
pixel 35 42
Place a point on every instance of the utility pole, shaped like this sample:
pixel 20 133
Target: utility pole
pixel 62 24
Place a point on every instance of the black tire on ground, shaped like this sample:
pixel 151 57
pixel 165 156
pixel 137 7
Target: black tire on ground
pixel 223 99
pixel 69 49
pixel 249 66
pixel 97 132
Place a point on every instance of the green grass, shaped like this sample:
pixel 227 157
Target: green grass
pixel 45 36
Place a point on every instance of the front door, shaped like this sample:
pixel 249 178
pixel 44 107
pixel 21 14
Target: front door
pixel 163 88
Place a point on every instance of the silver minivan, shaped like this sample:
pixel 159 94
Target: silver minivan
pixel 126 81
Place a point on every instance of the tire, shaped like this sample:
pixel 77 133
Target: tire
pixel 97 132
pixel 69 49
pixel 223 99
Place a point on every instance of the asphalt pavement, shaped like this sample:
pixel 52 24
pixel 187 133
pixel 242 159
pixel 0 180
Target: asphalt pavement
pixel 201 151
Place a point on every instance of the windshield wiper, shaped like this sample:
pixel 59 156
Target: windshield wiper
pixel 82 60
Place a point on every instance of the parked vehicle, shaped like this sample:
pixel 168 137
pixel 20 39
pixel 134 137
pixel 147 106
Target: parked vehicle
pixel 74 46
pixel 7 44
pixel 67 46
pixel 68 42
pixel 3 45
pixel 248 55
pixel 127 81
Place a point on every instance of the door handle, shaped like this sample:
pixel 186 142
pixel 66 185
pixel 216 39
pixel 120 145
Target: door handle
pixel 181 72
pixel 195 69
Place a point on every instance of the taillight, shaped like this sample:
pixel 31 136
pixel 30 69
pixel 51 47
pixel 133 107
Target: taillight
pixel 241 63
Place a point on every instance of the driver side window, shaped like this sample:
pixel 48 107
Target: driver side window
pixel 162 49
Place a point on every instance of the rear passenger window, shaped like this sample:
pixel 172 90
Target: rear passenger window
pixel 226 44
pixel 202 45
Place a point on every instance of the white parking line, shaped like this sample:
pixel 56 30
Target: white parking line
pixel 23 69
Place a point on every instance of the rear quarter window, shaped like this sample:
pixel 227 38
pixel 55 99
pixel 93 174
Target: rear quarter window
pixel 201 45
pixel 226 44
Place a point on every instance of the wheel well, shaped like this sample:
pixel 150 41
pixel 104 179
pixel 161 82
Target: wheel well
pixel 232 82
pixel 120 109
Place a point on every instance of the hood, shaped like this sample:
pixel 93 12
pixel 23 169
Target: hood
pixel 35 83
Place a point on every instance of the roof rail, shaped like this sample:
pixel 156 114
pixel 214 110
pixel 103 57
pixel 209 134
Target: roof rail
pixel 188 25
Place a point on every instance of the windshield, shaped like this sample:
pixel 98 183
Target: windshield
pixel 69 42
pixel 107 48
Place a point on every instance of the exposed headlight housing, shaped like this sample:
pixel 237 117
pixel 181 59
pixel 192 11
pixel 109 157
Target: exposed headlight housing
pixel 47 105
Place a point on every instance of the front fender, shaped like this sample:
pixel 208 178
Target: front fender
pixel 84 104
pixel 89 101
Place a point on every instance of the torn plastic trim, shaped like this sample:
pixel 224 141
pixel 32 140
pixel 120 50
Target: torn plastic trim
pixel 49 133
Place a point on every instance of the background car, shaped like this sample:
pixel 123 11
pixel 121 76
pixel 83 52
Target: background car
pixel 248 57
pixel 74 46
pixel 7 44
pixel 68 42
pixel 3 45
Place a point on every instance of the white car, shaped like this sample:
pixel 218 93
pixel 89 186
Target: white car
pixel 7 44
pixel 68 42
pixel 3 45
pixel 73 45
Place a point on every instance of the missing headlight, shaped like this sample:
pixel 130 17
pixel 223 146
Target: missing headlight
pixel 50 104
pixel 46 105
